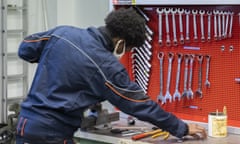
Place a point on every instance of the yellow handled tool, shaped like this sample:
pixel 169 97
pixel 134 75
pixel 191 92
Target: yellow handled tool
pixel 163 133
pixel 146 134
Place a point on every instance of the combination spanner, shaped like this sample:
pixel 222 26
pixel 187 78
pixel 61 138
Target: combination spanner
pixel 207 83
pixel 185 92
pixel 190 92
pixel 160 97
pixel 199 90
pixel 168 95
pixel 177 93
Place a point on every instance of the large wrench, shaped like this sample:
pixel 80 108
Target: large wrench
pixel 195 12
pixel 215 13
pixel 160 12
pixel 209 13
pixel 168 95
pixel 177 93
pixel 174 11
pixel 190 92
pixel 202 12
pixel 168 41
pixel 180 12
pixel 160 96
pixel 199 90
pixel 185 92
pixel 187 13
pixel 207 83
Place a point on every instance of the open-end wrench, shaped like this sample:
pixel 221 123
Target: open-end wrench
pixel 226 24
pixel 185 92
pixel 190 92
pixel 199 90
pixel 219 25
pixel 146 52
pixel 231 23
pixel 141 65
pixel 223 25
pixel 168 95
pixel 180 12
pixel 187 13
pixel 202 12
pixel 142 59
pixel 138 75
pixel 160 12
pixel 195 12
pixel 136 67
pixel 207 83
pixel 168 41
pixel 173 12
pixel 149 30
pixel 215 13
pixel 209 13
pixel 160 97
pixel 177 93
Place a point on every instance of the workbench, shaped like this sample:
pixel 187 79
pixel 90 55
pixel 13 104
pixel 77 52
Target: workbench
pixel 104 136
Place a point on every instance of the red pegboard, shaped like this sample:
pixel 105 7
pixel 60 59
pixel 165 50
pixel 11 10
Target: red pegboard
pixel 224 67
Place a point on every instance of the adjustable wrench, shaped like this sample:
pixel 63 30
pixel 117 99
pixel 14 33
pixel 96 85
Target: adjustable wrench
pixel 174 11
pixel 168 95
pixel 207 83
pixel 177 93
pixel 160 12
pixel 185 92
pixel 187 13
pixel 190 92
pixel 160 96
pixel 209 13
pixel 202 12
pixel 199 90
pixel 168 41
pixel 180 12
pixel 231 23
pixel 195 12
pixel 215 13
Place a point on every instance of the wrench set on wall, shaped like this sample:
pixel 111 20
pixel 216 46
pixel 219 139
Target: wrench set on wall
pixel 188 75
pixel 222 25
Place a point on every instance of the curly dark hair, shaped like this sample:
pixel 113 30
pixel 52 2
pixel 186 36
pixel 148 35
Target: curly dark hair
pixel 127 24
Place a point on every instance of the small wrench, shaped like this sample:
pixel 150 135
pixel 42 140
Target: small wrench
pixel 180 12
pixel 160 12
pixel 202 12
pixel 187 13
pixel 195 12
pixel 207 83
pixel 209 13
pixel 160 97
pixel 185 92
pixel 199 90
pixel 174 11
pixel 168 41
pixel 215 13
pixel 168 95
pixel 190 92
pixel 177 93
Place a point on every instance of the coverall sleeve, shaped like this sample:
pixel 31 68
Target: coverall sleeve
pixel 32 46
pixel 138 104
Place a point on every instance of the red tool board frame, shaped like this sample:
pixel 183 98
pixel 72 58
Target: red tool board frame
pixel 224 67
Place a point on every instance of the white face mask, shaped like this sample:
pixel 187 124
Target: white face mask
pixel 116 53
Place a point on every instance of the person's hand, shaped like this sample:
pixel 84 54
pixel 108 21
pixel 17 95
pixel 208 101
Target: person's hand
pixel 197 131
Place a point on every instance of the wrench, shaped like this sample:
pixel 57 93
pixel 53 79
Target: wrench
pixel 149 30
pixel 168 95
pixel 185 92
pixel 223 25
pixel 215 12
pixel 160 96
pixel 187 13
pixel 209 13
pixel 202 12
pixel 174 11
pixel 231 23
pixel 190 92
pixel 168 41
pixel 219 26
pixel 160 12
pixel 207 83
pixel 226 25
pixel 199 90
pixel 177 93
pixel 195 12
pixel 180 12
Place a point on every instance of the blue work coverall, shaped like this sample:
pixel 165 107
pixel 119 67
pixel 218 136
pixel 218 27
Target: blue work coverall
pixel 77 69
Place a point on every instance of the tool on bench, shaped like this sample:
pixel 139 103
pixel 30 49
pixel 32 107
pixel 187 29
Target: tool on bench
pixel 145 134
pixel 102 118
pixel 165 135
